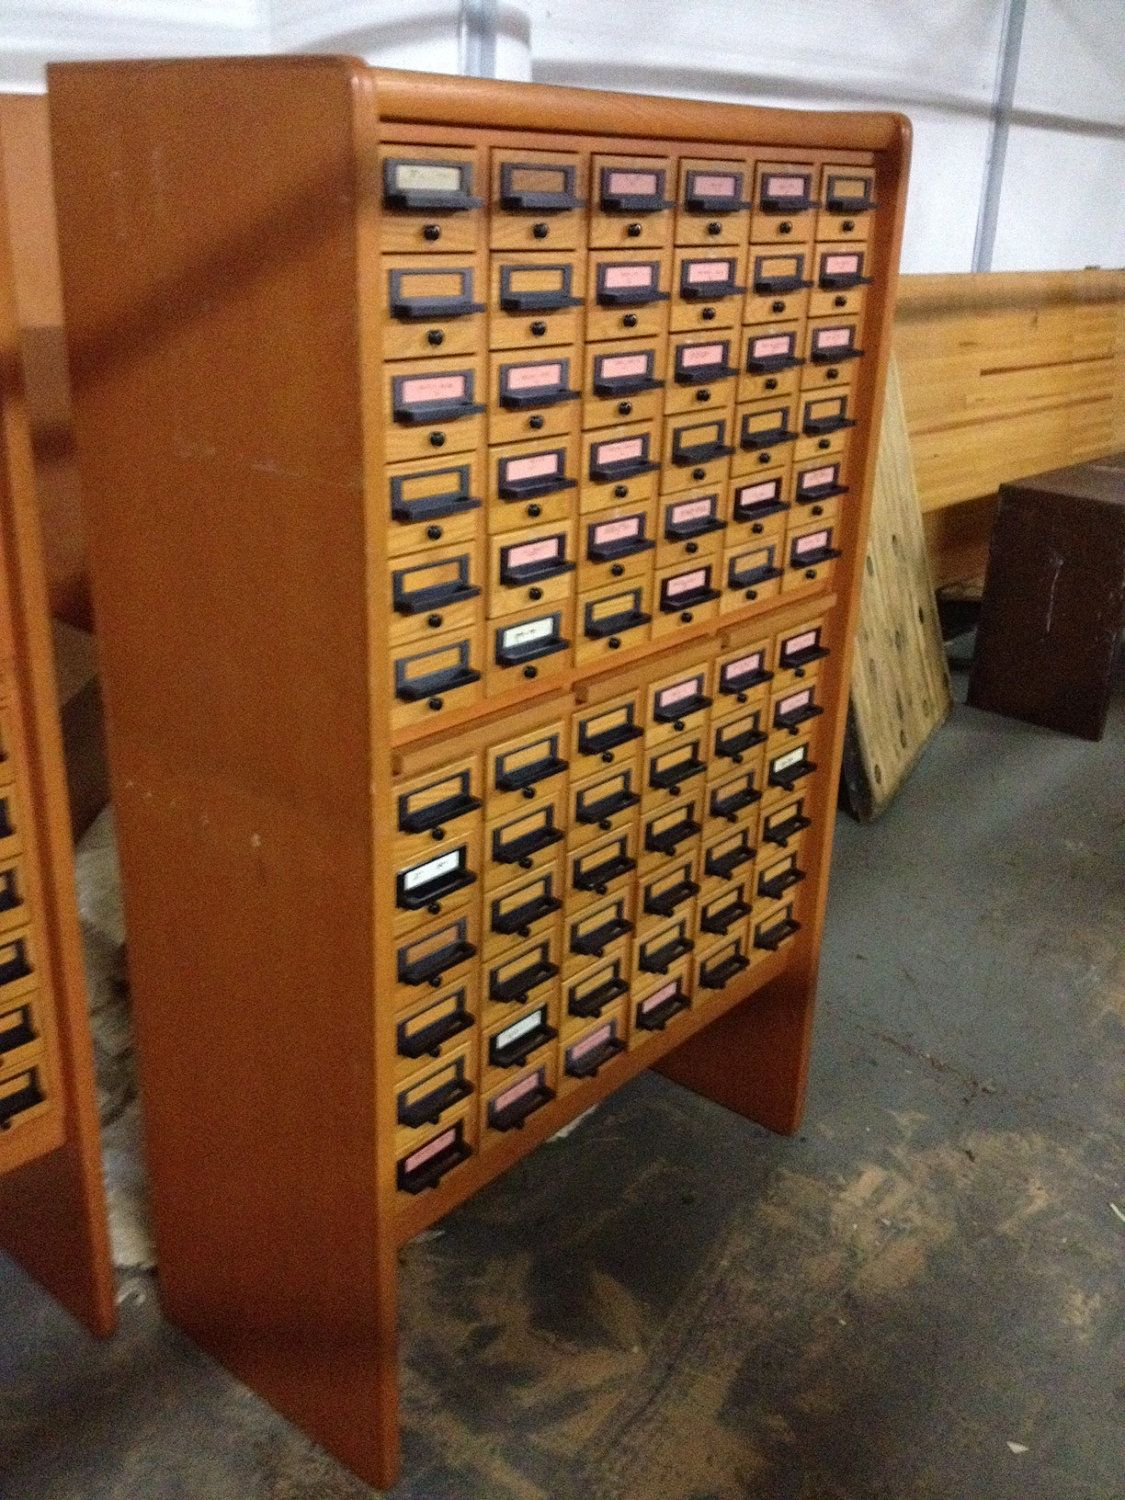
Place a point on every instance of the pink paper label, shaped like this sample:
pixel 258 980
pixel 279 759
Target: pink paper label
pixel 795 700
pixel 639 184
pixel 744 665
pixel 691 510
pixel 685 583
pixel 518 1090
pixel 531 468
pixel 811 543
pixel 616 453
pixel 785 187
pixel 701 354
pixel 751 494
pixel 589 1043
pixel 433 388
pixel 711 185
pixel 709 270
pixel 533 377
pixel 533 552
pixel 618 277
pixel 797 643
pixel 832 338
pixel 841 265
pixel 433 1148
pixel 678 693
pixel 617 531
pixel 658 997
pixel 611 366
pixel 780 343
pixel 812 479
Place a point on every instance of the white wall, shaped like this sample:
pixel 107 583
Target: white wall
pixel 936 60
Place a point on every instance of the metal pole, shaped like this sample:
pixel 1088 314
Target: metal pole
pixel 478 28
pixel 1006 72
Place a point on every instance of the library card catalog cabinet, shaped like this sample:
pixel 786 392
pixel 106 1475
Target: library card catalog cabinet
pixel 477 479
pixel 52 1209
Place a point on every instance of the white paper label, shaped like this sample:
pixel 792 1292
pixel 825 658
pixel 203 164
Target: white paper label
pixel 811 543
pixel 616 453
pixel 634 184
pixel 618 278
pixel 434 1148
pixel 691 510
pixel 531 468
pixel 812 479
pixel 744 665
pixel 518 1090
pixel 701 354
pixel 797 643
pixel 841 265
pixel 533 377
pixel 670 696
pixel 685 583
pixel 780 343
pixel 795 700
pixel 785 187
pixel 712 185
pixel 519 1029
pixel 589 1043
pixel 832 338
pixel 533 552
pixel 523 635
pixel 613 366
pixel 658 997
pixel 433 869
pixel 617 531
pixel 790 758
pixel 433 388
pixel 706 271
pixel 427 177
pixel 754 494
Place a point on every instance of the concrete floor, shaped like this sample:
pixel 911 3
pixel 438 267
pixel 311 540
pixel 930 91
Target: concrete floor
pixel 916 1299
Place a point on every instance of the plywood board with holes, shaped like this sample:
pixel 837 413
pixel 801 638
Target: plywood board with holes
pixel 900 683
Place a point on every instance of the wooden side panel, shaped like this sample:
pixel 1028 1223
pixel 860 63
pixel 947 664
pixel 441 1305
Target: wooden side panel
pixel 25 149
pixel 771 1034
pixel 211 302
pixel 900 681
pixel 52 1209
pixel 1004 375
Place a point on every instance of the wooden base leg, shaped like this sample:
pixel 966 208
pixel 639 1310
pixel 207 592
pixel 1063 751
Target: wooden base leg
pixel 755 1058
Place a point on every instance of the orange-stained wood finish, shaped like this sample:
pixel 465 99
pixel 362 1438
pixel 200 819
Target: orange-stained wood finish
pixel 52 1209
pixel 227 335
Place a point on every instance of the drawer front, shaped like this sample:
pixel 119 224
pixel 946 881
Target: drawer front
pixel 800 651
pixel 811 560
pixel 431 405
pixel 525 840
pixel 13 893
pixel 669 890
pixel 692 524
pixel 527 907
pixel 628 294
pixel 533 393
pixel 720 967
pixel 736 737
pixel 21 1032
pixel 606 733
pixel 702 370
pixel 530 565
pixel 673 767
pixel 520 980
pixel 665 943
pixel 725 857
pixel 791 710
pixel 684 596
pixel 713 202
pixel 439 1157
pixel 439 956
pixel 773 929
pixel 586 1054
pixel 631 200
pixel 599 930
pixel 24 1096
pixel 784 822
pixel 784 211
pixel 532 482
pixel 436 882
pixel 435 305
pixel 616 543
pixel 778 284
pixel 603 802
pixel 440 590
pixel 510 1104
pixel 432 198
pixel 818 488
pixel 779 873
pixel 766 433
pixel 620 466
pixel 840 280
pixel 760 503
pixel 431 675
pixel 725 912
pixel 733 796
pixel 787 768
pixel 434 1094
pixel 825 422
pixel 434 504
pixel 833 348
pixel 434 1025
pixel 613 619
pixel 11 822
pixel 525 768
pixel 708 288
pixel 679 702
pixel 744 674
pixel 539 200
pixel 770 361
pixel 752 571
pixel 588 994
pixel 659 1003
pixel 536 299
pixel 697 449
pixel 529 644
pixel 624 381
pixel 671 833
pixel 602 868
pixel 847 203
